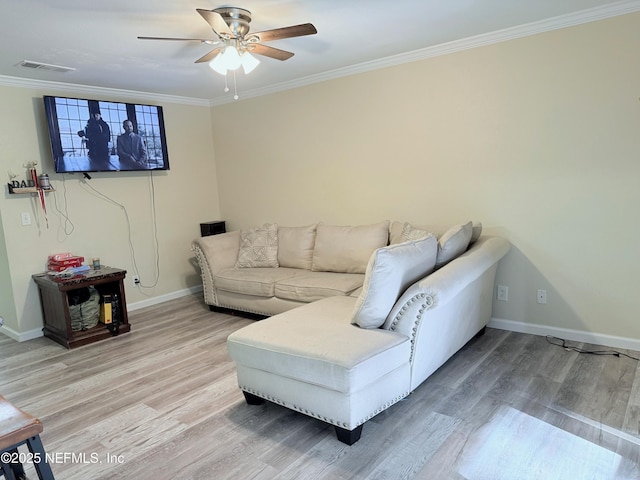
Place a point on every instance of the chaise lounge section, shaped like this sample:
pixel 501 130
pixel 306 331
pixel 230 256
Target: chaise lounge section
pixel 345 358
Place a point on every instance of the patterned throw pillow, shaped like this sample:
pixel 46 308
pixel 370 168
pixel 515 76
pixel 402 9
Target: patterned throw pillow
pixel 411 233
pixel 258 247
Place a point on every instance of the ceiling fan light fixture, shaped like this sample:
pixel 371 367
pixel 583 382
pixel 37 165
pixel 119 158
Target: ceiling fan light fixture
pixel 249 62
pixel 231 58
pixel 218 65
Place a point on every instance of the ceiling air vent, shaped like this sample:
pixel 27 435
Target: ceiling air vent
pixel 44 66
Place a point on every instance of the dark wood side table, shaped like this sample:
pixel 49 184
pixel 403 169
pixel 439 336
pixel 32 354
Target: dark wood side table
pixel 55 305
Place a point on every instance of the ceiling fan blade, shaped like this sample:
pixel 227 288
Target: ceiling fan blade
pixel 270 52
pixel 201 40
pixel 215 20
pixel 285 32
pixel 209 56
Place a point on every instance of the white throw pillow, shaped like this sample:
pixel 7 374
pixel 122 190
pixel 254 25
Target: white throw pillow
pixel 258 247
pixel 390 271
pixel 347 249
pixel 295 246
pixel 476 232
pixel 453 243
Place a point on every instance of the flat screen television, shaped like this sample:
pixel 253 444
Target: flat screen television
pixel 101 136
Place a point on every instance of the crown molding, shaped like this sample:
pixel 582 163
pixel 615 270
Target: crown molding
pixel 77 89
pixel 511 33
pixel 569 20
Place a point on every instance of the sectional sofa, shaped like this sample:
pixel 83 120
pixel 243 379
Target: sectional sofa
pixel 360 315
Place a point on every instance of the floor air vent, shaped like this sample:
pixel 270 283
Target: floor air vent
pixel 44 66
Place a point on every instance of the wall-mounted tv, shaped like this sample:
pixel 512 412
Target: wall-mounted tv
pixel 101 136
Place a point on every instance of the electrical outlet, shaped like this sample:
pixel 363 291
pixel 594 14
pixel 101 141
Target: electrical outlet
pixel 136 281
pixel 542 296
pixel 503 293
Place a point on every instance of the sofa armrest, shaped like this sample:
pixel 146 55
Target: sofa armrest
pixel 215 253
pixel 445 309
pixel 443 285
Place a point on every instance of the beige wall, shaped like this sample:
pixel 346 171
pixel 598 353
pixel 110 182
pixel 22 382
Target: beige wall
pixel 99 226
pixel 7 302
pixel 539 138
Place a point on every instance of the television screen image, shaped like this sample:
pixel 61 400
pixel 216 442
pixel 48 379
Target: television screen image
pixel 100 136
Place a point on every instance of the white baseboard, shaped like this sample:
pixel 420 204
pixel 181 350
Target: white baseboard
pixel 567 334
pixel 21 337
pixel 37 332
pixel 163 298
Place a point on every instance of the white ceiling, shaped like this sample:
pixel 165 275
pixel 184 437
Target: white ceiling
pixel 98 39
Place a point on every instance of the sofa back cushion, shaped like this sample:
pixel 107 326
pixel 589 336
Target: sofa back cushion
pixel 347 249
pixel 390 271
pixel 295 246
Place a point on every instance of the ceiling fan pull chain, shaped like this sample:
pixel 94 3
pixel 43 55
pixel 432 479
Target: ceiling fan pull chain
pixel 226 87
pixel 235 86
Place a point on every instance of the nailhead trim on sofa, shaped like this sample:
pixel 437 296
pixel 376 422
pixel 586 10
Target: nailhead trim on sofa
pixel 320 417
pixel 428 302
pixel 203 258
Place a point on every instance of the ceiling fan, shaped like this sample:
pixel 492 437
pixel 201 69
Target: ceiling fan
pixel 231 26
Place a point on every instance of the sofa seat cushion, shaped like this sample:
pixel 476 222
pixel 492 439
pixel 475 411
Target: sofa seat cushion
pixel 311 286
pixel 252 281
pixel 317 344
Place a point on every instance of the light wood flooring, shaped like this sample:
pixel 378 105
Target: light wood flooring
pixel 162 402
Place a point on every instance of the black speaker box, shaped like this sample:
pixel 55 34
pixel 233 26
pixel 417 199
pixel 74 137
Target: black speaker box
pixel 212 228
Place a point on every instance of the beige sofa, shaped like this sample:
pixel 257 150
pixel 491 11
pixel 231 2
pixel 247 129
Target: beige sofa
pixel 272 269
pixel 346 355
